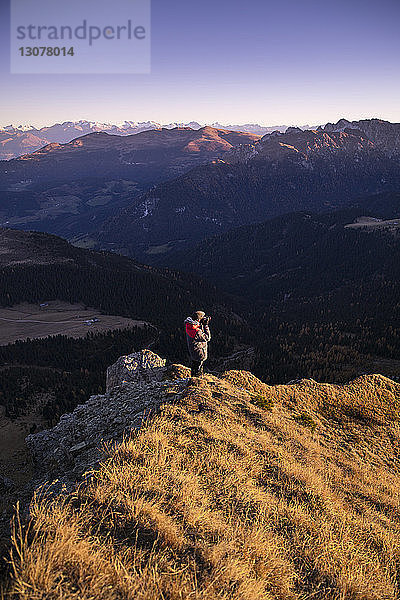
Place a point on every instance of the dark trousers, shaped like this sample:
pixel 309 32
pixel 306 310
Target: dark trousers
pixel 196 368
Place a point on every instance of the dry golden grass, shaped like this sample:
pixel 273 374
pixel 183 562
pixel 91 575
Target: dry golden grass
pixel 217 498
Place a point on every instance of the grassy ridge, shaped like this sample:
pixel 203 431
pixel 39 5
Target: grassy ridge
pixel 236 490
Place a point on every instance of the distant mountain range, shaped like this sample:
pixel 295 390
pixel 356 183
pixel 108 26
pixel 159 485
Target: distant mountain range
pixel 169 151
pixel 23 139
pixel 156 191
pixel 312 170
pixel 69 189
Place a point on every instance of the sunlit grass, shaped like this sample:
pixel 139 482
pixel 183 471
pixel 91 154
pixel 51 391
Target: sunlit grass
pixel 217 498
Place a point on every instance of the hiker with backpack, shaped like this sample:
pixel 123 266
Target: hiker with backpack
pixel 197 337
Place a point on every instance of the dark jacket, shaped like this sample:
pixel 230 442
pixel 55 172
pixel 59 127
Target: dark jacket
pixel 197 337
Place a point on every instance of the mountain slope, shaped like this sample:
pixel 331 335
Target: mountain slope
pixel 16 143
pixel 300 254
pixel 135 156
pixel 310 170
pixel 382 133
pixel 69 189
pixel 37 266
pixel 235 490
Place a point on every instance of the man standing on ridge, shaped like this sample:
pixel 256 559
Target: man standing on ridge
pixel 197 337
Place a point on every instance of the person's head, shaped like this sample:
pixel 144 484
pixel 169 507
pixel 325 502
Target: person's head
pixel 198 315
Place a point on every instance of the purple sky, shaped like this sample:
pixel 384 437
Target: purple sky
pixel 281 62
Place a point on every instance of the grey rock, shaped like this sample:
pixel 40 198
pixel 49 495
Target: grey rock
pixel 78 447
pixel 138 367
pixel 77 442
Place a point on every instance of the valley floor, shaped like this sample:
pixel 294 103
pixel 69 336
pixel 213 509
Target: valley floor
pixel 56 318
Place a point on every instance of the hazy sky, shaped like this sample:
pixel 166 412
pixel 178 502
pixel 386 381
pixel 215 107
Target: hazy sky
pixel 272 62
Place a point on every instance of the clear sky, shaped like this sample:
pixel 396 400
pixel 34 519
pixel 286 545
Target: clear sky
pixel 272 62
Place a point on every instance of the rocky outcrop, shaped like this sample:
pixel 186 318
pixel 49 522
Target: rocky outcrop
pixel 242 153
pixel 137 386
pixel 138 367
pixel 384 135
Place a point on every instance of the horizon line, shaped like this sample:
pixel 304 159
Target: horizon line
pixel 201 123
